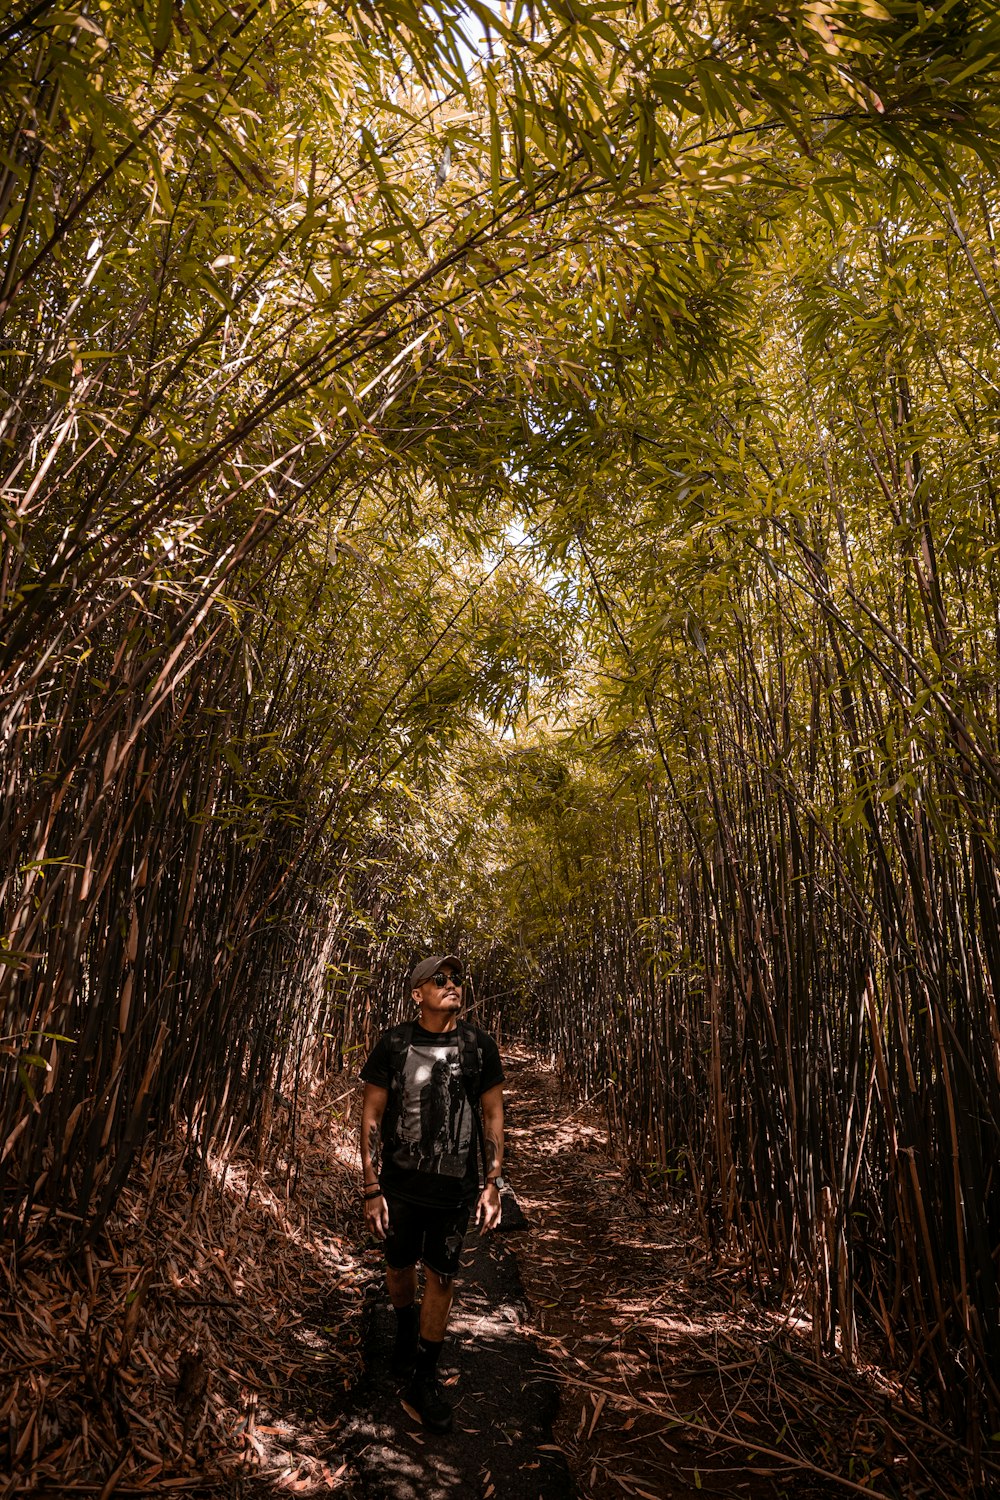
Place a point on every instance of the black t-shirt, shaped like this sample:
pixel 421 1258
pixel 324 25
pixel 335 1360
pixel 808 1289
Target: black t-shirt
pixel 431 1158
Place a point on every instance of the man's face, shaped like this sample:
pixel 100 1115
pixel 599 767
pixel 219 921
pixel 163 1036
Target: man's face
pixel 443 998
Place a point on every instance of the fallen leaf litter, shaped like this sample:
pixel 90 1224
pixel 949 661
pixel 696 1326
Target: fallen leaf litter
pixel 207 1334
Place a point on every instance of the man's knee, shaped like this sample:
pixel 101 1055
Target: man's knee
pixel 439 1280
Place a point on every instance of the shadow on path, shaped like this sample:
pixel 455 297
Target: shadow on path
pixel 503 1391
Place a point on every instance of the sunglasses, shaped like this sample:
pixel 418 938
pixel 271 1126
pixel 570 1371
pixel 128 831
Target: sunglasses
pixel 441 979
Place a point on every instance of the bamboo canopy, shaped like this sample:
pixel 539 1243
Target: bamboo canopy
pixel 524 479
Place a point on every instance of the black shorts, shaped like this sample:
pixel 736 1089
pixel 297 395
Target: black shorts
pixel 433 1235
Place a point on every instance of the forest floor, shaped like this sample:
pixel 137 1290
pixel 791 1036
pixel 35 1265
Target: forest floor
pixel 228 1336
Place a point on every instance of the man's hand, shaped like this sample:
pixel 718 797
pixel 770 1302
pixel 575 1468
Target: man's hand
pixel 377 1216
pixel 488 1208
pixel 376 1208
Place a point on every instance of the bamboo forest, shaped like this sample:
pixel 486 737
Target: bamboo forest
pixel 517 482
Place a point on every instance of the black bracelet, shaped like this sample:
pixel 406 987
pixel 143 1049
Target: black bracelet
pixel 375 1193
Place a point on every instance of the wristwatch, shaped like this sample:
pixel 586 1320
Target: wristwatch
pixel 498 1182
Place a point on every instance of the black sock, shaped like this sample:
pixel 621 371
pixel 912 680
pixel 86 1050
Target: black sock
pixel 428 1353
pixel 407 1323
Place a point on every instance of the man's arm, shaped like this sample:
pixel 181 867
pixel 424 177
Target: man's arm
pixel 488 1207
pixel 372 1109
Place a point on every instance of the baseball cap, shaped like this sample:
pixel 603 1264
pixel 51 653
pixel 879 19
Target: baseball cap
pixel 428 966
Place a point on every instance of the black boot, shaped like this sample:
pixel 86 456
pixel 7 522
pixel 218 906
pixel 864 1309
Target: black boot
pixel 426 1395
pixel 425 1392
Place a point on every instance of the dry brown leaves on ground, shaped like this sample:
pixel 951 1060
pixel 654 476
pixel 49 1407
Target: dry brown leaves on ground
pixel 201 1345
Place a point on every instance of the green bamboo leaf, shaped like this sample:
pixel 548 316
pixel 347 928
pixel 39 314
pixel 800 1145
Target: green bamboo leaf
pixel 163 23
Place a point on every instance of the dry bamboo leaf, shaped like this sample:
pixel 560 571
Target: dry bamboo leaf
pixel 598 1408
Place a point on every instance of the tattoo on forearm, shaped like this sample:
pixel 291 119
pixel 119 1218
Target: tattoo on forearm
pixel 374 1146
pixel 492 1153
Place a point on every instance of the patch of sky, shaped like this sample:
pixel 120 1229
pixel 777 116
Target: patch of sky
pixel 474 39
pixel 526 544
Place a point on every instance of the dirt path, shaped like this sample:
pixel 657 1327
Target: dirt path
pixel 618 1300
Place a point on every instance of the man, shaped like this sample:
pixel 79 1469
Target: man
pixel 421 1138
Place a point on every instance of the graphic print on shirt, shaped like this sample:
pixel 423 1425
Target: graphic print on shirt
pixel 434 1132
